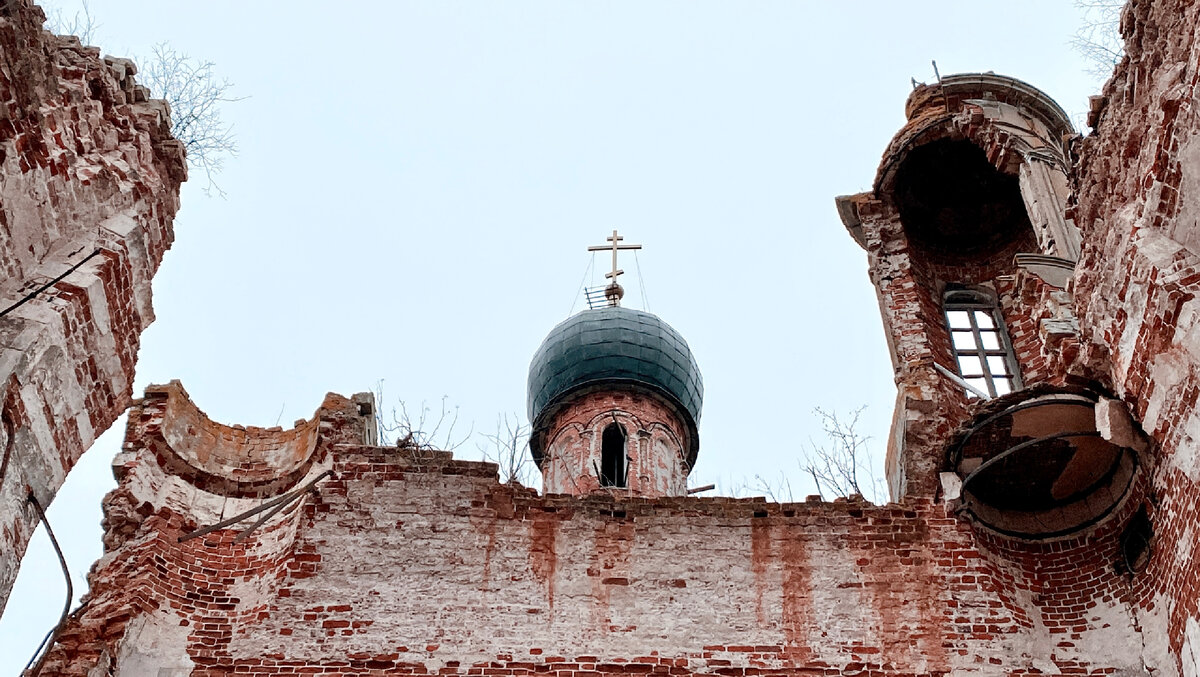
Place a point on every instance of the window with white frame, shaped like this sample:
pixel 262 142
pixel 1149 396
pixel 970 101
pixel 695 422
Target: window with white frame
pixel 981 349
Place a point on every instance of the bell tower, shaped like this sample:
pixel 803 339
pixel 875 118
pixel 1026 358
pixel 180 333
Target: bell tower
pixel 971 247
pixel 614 397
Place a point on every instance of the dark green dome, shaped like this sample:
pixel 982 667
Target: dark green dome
pixel 613 346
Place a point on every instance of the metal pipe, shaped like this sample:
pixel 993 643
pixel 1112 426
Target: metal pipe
pixel 1113 502
pixel 1044 400
pixel 266 516
pixel 959 380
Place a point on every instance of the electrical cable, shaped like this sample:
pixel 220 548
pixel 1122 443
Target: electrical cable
pixel 33 294
pixel 38 655
pixel 9 442
pixel 641 282
pixel 582 284
pixel 48 641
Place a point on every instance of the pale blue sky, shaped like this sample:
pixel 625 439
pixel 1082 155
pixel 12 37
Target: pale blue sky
pixel 418 183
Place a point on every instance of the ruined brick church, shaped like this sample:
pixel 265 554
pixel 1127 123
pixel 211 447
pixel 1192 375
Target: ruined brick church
pixel 1039 294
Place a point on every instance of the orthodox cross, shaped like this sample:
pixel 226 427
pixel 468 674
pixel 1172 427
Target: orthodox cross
pixel 614 292
pixel 615 247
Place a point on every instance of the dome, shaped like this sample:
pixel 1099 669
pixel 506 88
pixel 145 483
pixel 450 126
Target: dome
pixel 613 346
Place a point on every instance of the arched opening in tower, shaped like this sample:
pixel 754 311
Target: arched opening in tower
pixel 953 202
pixel 613 468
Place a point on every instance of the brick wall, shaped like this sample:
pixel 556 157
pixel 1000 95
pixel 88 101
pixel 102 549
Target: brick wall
pixel 655 446
pixel 87 168
pixel 410 562
pixel 1138 199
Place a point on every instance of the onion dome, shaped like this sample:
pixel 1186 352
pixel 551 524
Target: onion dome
pixel 609 347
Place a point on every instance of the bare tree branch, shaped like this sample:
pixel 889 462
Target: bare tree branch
pixel 1098 39
pixel 843 466
pixel 420 431
pixel 81 24
pixel 779 491
pixel 508 449
pixel 191 88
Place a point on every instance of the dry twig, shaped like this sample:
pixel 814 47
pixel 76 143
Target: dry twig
pixel 195 95
pixel 843 467
pixel 1098 39
pixel 508 448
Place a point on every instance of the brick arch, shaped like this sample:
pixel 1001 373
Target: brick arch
pixel 578 478
pixel 1004 150
pixel 1010 120
pixel 572 427
pixel 630 424
pixel 238 461
pixel 674 438
pixel 598 422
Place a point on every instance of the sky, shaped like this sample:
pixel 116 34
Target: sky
pixel 417 184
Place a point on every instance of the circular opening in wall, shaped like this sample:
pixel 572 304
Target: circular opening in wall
pixel 1034 465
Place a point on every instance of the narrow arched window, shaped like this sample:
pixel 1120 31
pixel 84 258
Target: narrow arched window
pixel 982 351
pixel 613 468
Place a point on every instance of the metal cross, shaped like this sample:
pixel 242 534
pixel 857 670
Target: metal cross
pixel 615 247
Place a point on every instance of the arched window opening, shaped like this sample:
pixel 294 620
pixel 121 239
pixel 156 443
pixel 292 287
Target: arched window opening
pixel 613 466
pixel 981 347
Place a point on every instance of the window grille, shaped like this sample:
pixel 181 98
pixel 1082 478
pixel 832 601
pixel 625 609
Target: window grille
pixel 981 348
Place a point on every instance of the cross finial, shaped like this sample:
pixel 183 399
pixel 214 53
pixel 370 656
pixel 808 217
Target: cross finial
pixel 614 292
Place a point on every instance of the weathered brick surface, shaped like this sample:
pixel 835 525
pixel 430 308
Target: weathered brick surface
pixel 87 164
pixel 656 444
pixel 410 562
pixel 1136 292
pixel 1019 132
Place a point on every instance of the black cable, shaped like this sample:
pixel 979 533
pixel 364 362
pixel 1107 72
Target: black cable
pixel 31 295
pixel 582 286
pixel 70 592
pixel 9 442
pixel 280 501
pixel 10 431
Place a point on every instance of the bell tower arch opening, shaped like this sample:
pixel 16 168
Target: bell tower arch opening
pixel 955 204
pixel 971 245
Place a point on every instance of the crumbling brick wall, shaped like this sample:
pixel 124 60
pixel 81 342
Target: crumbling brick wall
pixel 407 561
pixel 974 180
pixel 1138 200
pixel 89 176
